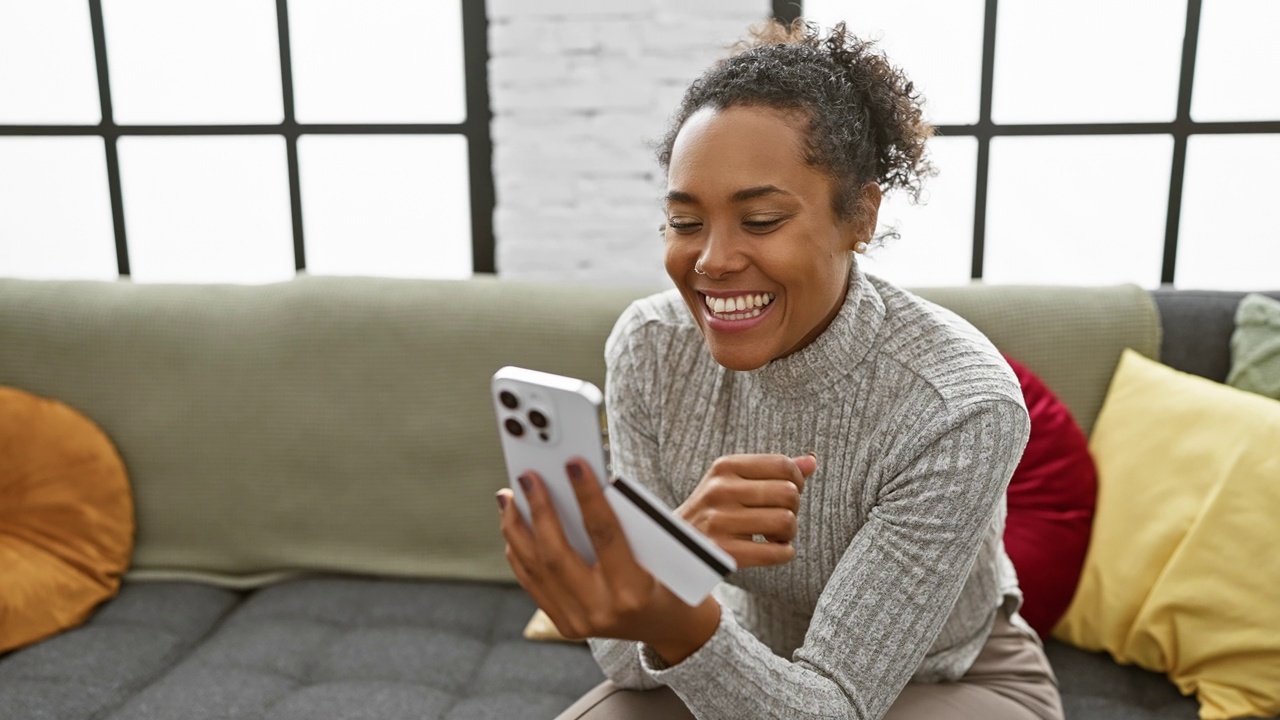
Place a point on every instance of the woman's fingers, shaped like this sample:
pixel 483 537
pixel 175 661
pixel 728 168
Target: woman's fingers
pixel 779 524
pixel 761 467
pixel 555 553
pixel 544 562
pixel 629 585
pixel 767 494
pixel 749 553
pixel 598 517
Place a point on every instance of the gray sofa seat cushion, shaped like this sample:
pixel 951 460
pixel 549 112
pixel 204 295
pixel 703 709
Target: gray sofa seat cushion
pixel 129 642
pixel 316 648
pixel 1094 687
pixel 345 647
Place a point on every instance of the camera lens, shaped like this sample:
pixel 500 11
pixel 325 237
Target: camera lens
pixel 514 427
pixel 537 419
pixel 508 399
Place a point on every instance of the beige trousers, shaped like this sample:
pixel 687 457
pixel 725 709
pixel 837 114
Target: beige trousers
pixel 1010 680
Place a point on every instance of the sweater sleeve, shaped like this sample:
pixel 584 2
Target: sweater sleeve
pixel 890 594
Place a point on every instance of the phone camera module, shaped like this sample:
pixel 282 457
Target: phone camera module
pixel 538 420
pixel 509 400
pixel 514 427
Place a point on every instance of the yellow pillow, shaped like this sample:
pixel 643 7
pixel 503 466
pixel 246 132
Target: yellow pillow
pixel 540 627
pixel 1183 570
pixel 66 518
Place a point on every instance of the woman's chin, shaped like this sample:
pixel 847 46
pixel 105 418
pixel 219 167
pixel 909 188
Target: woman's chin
pixel 739 359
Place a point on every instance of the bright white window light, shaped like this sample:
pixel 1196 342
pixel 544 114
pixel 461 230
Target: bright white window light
pixel 938 43
pixel 207 209
pixel 1077 210
pixel 1229 235
pixel 55 210
pixel 1087 61
pixel 48 75
pixel 1237 61
pixel 193 63
pixel 936 243
pixel 391 205
pixel 377 61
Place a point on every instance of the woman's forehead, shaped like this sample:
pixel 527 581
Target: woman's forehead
pixel 720 152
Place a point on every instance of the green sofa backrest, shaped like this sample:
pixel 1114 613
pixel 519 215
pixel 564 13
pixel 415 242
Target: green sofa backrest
pixel 344 424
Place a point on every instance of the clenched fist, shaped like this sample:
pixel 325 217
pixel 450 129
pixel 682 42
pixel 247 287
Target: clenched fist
pixel 744 496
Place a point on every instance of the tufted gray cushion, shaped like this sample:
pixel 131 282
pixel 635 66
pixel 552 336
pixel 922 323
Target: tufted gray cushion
pixel 317 648
pixel 129 642
pixel 1094 687
pixel 343 647
pixel 1197 327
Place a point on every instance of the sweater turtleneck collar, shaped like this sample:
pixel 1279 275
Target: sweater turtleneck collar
pixel 833 354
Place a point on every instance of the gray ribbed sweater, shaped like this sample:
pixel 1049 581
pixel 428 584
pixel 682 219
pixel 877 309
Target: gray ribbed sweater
pixel 917 423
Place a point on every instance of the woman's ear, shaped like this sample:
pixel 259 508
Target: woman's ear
pixel 868 212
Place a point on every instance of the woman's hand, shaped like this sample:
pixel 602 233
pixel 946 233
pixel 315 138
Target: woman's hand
pixel 615 597
pixel 744 496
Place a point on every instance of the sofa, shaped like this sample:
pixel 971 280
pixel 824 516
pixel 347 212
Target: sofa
pixel 313 462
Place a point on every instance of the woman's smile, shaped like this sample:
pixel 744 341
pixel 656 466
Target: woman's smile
pixel 735 311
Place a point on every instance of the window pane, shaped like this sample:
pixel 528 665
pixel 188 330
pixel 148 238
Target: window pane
pixel 1229 235
pixel 47 71
pixel 209 63
pixel 1237 61
pixel 1077 210
pixel 55 209
pixel 936 243
pixel 207 209
pixel 1087 61
pixel 943 56
pixel 394 205
pixel 377 61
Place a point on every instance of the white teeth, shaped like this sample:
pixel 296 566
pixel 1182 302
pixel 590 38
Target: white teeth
pixel 739 307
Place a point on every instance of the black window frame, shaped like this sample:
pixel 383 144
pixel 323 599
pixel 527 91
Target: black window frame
pixel 475 127
pixel 1180 128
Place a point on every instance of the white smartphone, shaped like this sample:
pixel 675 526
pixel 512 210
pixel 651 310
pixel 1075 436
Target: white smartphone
pixel 544 420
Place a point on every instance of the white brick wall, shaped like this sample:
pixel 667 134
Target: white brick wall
pixel 580 90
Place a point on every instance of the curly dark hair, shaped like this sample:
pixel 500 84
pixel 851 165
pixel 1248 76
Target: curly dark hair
pixel 864 115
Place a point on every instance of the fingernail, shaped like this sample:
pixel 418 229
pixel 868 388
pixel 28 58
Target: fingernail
pixel 502 502
pixel 574 469
pixel 813 454
pixel 526 483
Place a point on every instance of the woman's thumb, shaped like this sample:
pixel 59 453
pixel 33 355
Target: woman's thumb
pixel 807 463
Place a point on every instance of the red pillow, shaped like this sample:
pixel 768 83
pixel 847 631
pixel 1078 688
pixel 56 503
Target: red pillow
pixel 1051 500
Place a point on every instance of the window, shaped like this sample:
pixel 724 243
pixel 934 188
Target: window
pixel 244 140
pixel 1090 142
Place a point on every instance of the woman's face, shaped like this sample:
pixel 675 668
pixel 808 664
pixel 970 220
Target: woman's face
pixel 745 207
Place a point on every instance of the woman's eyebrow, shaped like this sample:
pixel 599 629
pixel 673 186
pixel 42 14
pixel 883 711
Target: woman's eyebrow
pixel 754 192
pixel 680 196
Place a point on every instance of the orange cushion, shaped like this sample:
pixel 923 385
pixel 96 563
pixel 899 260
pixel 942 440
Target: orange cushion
pixel 66 518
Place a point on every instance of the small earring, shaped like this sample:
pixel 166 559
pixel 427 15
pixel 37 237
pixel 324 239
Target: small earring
pixel 860 248
pixel 697 267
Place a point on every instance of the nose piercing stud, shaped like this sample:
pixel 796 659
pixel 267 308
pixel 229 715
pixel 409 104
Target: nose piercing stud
pixel 697 267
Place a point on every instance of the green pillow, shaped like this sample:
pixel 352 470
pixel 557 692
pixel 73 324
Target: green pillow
pixel 1255 346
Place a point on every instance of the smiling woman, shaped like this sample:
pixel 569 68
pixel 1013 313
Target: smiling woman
pixel 729 239
pixel 846 441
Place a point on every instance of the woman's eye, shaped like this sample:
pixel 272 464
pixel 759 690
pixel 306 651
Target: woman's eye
pixel 684 226
pixel 762 225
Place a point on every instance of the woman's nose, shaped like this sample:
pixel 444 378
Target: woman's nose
pixel 721 255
